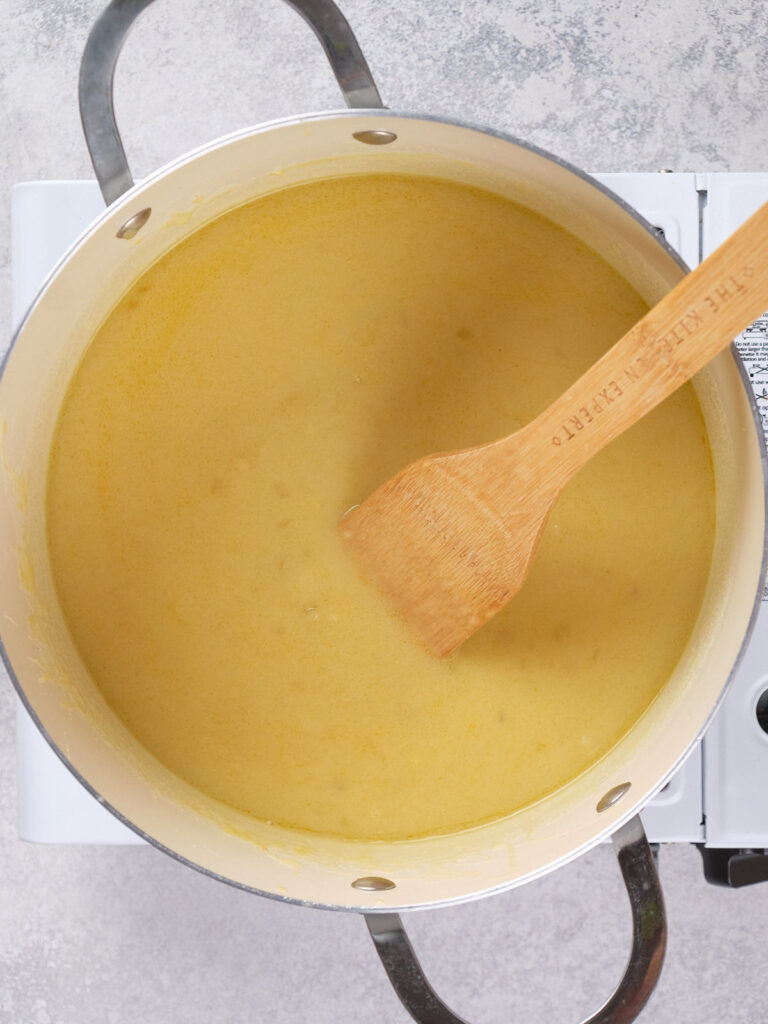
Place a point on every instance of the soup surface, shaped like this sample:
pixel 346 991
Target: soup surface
pixel 270 372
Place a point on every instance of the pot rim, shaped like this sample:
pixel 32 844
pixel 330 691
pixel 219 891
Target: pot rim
pixel 221 142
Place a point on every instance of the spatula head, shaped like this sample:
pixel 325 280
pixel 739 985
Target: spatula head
pixel 432 539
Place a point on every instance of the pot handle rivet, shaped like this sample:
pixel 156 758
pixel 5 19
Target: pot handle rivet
pixel 134 224
pixel 375 137
pixel 613 796
pixel 372 883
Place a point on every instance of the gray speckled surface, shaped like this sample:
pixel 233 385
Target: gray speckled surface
pixel 117 935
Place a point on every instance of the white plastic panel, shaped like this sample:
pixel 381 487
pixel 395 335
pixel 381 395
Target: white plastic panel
pixel 53 807
pixel 735 747
pixel 668 201
pixel 675 815
pixel 46 217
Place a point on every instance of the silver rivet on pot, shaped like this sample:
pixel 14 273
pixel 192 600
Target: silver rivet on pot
pixel 613 796
pixel 374 137
pixel 135 223
pixel 371 883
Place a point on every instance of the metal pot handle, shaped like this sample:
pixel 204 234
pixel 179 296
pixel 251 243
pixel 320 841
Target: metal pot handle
pixel 106 39
pixel 649 942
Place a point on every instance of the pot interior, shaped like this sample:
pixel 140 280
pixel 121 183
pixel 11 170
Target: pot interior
pixel 48 670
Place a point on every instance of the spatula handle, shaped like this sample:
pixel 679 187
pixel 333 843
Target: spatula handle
pixel 680 335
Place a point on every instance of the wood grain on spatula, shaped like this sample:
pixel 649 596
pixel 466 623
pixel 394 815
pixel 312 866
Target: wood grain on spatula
pixel 451 537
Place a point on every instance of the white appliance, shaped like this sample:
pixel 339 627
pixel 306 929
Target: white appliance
pixel 719 797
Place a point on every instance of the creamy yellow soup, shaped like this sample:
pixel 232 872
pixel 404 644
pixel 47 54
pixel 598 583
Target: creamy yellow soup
pixel 270 372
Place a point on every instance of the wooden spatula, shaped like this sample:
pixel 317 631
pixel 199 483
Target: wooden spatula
pixel 450 539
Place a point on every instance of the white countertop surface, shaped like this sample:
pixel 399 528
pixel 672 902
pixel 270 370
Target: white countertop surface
pixel 99 935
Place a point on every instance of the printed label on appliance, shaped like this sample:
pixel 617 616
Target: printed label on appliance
pixel 753 349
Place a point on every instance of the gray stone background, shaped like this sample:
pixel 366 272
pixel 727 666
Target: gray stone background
pixel 95 935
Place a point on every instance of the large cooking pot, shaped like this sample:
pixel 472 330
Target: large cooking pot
pixel 143 221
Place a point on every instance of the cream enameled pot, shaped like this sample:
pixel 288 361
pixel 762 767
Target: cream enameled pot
pixel 143 221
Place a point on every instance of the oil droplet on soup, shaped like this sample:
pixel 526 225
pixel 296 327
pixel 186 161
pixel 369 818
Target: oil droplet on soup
pixel 269 373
